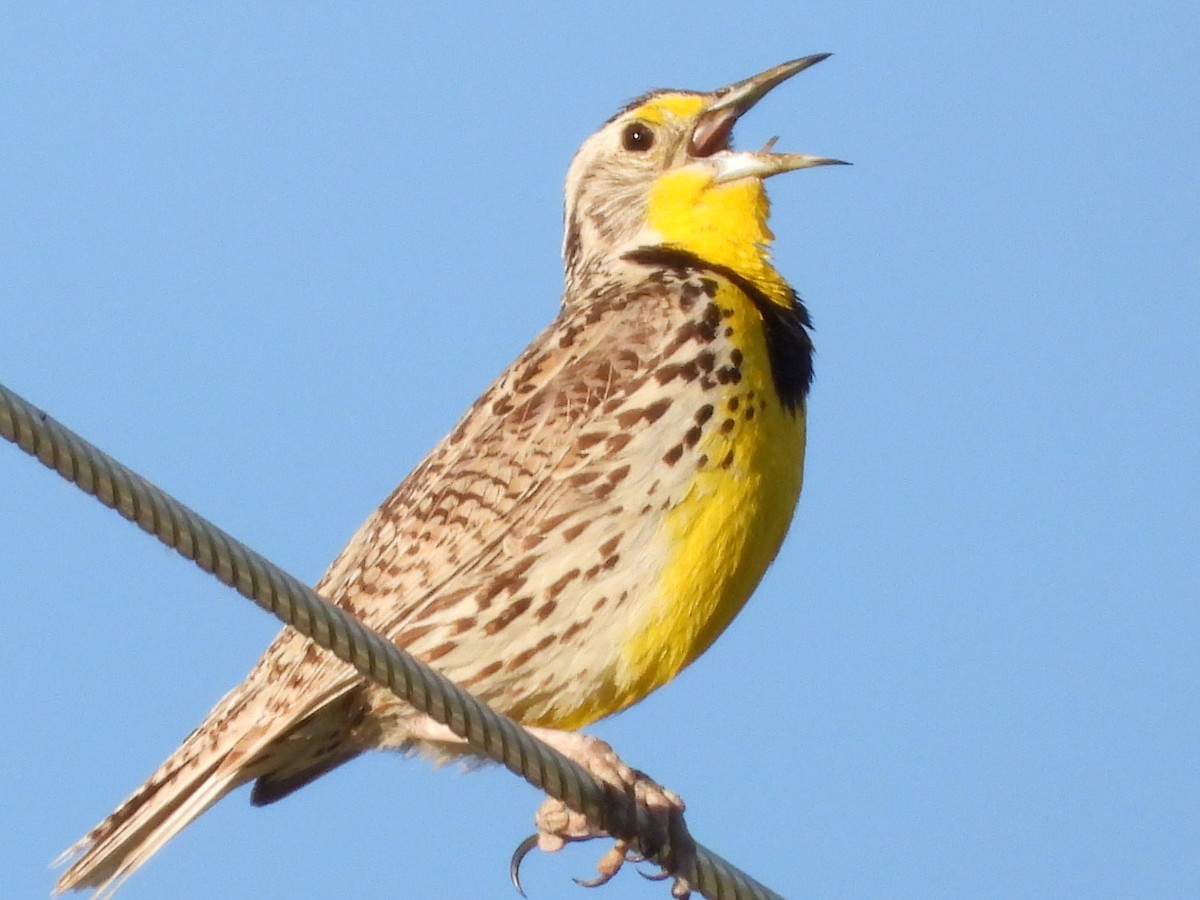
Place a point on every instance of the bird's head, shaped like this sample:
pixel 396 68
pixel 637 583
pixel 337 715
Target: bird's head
pixel 662 173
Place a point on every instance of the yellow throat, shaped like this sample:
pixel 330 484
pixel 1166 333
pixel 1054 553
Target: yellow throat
pixel 724 224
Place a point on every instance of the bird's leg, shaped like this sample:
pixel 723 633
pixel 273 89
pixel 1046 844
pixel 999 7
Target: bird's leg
pixel 557 824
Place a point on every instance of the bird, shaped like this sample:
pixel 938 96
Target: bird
pixel 592 523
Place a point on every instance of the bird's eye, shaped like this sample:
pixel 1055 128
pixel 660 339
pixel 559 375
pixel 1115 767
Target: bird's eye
pixel 637 137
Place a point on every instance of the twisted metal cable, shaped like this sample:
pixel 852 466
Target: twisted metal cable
pixel 296 604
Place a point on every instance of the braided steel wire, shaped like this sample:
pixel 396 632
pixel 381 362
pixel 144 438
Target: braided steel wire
pixel 296 604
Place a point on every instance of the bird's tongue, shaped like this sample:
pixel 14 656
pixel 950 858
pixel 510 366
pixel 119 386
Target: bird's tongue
pixel 712 132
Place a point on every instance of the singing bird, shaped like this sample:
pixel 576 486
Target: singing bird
pixel 593 522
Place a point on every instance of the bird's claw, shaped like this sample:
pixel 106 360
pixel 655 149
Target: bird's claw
pixel 654 876
pixel 558 824
pixel 609 865
pixel 518 857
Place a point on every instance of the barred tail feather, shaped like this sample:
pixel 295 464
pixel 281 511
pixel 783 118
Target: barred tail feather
pixel 111 856
pixel 211 762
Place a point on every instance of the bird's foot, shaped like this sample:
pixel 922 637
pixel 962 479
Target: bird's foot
pixel 558 824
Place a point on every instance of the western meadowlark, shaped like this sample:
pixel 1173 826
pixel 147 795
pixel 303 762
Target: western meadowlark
pixel 593 522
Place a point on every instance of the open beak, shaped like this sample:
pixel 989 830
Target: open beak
pixel 710 137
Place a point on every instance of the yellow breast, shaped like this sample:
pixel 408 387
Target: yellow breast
pixel 731 518
pixel 735 479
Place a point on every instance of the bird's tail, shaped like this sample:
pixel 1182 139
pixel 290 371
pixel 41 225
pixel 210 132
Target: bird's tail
pixel 215 759
pixel 249 734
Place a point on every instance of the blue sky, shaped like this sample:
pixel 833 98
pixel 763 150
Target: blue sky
pixel 266 257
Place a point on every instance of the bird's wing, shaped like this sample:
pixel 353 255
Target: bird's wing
pixel 528 458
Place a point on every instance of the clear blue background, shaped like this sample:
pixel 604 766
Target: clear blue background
pixel 267 256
